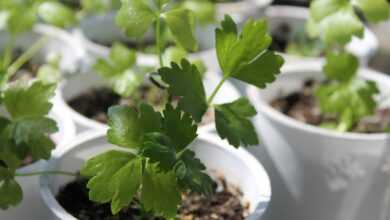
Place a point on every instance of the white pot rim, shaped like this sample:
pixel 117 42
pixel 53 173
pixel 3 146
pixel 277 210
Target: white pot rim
pixel 363 47
pixel 256 169
pixel 298 67
pixel 84 121
pixel 77 49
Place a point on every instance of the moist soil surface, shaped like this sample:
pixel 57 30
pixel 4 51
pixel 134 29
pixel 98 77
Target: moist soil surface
pixel 94 103
pixel 225 204
pixel 302 106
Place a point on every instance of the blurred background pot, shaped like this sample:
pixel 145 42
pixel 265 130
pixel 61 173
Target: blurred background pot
pixel 330 175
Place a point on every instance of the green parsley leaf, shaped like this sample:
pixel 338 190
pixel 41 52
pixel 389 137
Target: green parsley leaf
pixel 119 70
pixel 159 150
pixel 165 186
pixel 204 10
pixel 186 82
pixel 57 14
pixel 350 101
pixel 128 127
pixel 33 99
pixel 334 21
pixel 233 124
pixel 116 176
pixel 10 191
pixel 374 10
pixel 179 126
pixel 181 23
pixel 245 56
pixel 135 17
pixel 34 133
pixel 341 66
pixel 191 174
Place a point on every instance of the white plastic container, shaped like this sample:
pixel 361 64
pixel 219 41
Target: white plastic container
pixel 331 175
pixel 83 82
pixel 242 9
pixel 296 17
pixel 32 206
pixel 238 166
pixel 59 43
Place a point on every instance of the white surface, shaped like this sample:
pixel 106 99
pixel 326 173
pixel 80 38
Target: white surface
pixel 238 166
pixel 82 82
pixel 329 175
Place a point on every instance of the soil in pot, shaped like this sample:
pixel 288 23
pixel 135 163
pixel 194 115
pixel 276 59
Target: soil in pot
pixel 302 106
pixel 73 4
pixel 286 39
pixel 95 102
pixel 224 204
pixel 302 3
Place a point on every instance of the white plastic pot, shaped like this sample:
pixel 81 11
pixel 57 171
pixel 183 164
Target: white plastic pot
pixel 59 43
pixel 331 175
pixel 296 18
pixel 32 206
pixel 83 82
pixel 242 9
pixel 238 167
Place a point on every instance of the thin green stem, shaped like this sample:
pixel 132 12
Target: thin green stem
pixel 26 56
pixel 8 52
pixel 54 172
pixel 158 40
pixel 211 98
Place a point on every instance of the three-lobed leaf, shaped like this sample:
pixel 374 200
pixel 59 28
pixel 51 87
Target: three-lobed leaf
pixel 245 56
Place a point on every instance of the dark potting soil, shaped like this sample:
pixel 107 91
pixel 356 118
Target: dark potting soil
pixel 280 38
pixel 303 3
pixel 94 103
pixel 73 4
pixel 225 204
pixel 302 106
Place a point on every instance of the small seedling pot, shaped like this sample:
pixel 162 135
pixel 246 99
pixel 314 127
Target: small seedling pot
pixel 331 175
pixel 59 43
pixel 238 167
pixel 295 18
pixel 83 82
pixel 32 206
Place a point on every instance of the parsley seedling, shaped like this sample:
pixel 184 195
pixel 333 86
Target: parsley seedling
pixel 156 163
pixel 336 22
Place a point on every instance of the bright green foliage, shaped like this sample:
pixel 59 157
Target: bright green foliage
pixel 349 101
pixel 160 165
pixel 335 21
pixel 99 6
pixel 10 191
pixel 116 176
pixel 136 17
pixel 181 23
pixel 20 16
pixel 374 10
pixel 50 73
pixel 191 174
pixel 57 14
pixel 179 127
pixel 204 10
pixel 160 192
pixel 245 56
pixel 232 122
pixel 185 82
pixel 32 99
pixel 119 70
pixel 341 66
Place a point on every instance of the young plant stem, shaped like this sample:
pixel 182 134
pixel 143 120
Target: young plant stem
pixel 8 52
pixel 54 172
pixel 211 98
pixel 158 40
pixel 26 56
